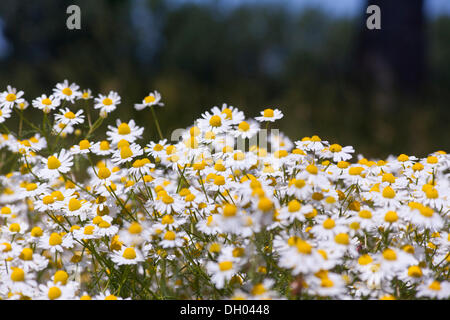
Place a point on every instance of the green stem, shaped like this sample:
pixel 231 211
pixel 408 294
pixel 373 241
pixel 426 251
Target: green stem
pixel 156 123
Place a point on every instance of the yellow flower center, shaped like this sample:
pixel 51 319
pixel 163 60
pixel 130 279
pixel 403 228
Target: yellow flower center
pixel 388 177
pixel 389 254
pixel 69 115
pixel 365 214
pixel 104 173
pixel 215 121
pixel 268 113
pixel 84 144
pixel 17 275
pixel 149 99
pixel 67 91
pixel 31 186
pixel 258 289
pixel 61 276
pixel 414 271
pixel 88 230
pixel 26 254
pixel 107 101
pixel 14 227
pixel 104 145
pixel 37 232
pixel 391 216
pixel 265 204
pixel 365 259
pixel 432 160
pixel 244 126
pixel 55 239
pixel 329 223
pixel 335 148
pixel 355 171
pixel 432 193
pixel 104 224
pixel 129 253
pixel 280 154
pixel 225 265
pixel 124 128
pixel 123 143
pixel 342 238
pixel 167 199
pixel 326 283
pixel 219 180
pixel 11 97
pixel 426 211
pixel 303 247
pixel 312 169
pixel 54 293
pixel 389 193
pixel 229 113
pixel 53 163
pixel 294 206
pixel 435 285
pixel 135 228
pixel 167 219
pixel 46 101
pixel 6 210
pixel 169 235
pixel 74 204
pixel 126 152
pixel 229 210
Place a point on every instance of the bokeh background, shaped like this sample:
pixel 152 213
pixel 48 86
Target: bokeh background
pixel 383 92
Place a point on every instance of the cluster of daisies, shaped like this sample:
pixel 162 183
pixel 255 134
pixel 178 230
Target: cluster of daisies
pixel 229 208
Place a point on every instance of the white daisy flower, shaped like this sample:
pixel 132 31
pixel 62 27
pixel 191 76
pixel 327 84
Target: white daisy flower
pixel 152 99
pixel 270 115
pixel 126 256
pixel 46 104
pixel 64 91
pixel 108 103
pixel 10 98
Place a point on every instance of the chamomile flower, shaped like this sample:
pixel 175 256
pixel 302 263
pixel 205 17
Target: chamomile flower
pixel 46 104
pixel 55 242
pixel 66 91
pixel 270 115
pixel 52 291
pixel 107 103
pixel 126 154
pixel 152 99
pixel 102 148
pixel 223 270
pixel 28 260
pixel 172 239
pixel 434 289
pixel 67 117
pixel 215 122
pixel 10 98
pixel 339 153
pixel 83 147
pixel 56 164
pixel 246 129
pixel 127 256
pixel 86 94
pixel 128 131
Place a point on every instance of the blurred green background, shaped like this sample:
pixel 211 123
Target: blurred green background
pixel 383 91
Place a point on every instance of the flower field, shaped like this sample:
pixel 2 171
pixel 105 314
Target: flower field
pixel 228 208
